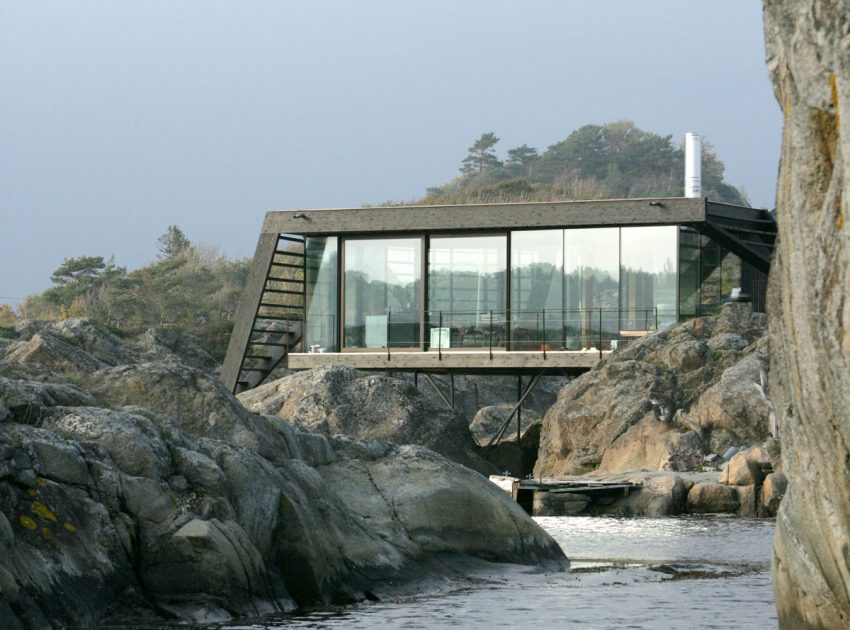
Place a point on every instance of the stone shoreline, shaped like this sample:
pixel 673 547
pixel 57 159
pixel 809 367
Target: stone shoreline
pixel 744 487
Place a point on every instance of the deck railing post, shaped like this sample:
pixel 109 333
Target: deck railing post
pixel 490 342
pixel 563 327
pixel 440 337
pixel 389 316
pixel 656 318
pixel 543 314
pixel 600 332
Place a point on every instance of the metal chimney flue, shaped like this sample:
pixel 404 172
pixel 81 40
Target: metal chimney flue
pixel 693 165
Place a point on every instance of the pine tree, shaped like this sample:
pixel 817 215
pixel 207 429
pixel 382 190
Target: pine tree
pixel 172 243
pixel 481 156
pixel 77 269
pixel 523 158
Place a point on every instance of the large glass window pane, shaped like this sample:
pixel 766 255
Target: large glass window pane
pixel 466 290
pixel 731 277
pixel 689 272
pixel 648 276
pixel 382 285
pixel 591 287
pixel 537 283
pixel 711 257
pixel 321 293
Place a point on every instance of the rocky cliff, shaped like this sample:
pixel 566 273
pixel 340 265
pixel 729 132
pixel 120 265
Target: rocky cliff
pixel 133 486
pixel 808 57
pixel 338 400
pixel 665 401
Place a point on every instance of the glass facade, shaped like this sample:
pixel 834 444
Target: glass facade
pixel 690 244
pixel 321 293
pixel 537 289
pixel 381 297
pixel 592 287
pixel 708 274
pixel 568 289
pixel 466 289
pixel 648 283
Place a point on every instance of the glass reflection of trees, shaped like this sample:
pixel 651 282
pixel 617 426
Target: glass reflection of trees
pixel 321 292
pixel 381 293
pixel 648 276
pixel 466 287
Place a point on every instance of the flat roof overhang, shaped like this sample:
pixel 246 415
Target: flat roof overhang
pixel 448 361
pixel 488 216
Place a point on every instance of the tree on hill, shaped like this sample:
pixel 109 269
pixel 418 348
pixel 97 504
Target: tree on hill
pixel 173 243
pixel 195 290
pixel 522 158
pixel 481 156
pixel 612 160
pixel 78 269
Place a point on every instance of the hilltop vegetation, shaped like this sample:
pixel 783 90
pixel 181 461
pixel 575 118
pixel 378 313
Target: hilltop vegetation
pixel 190 288
pixel 612 161
pixel 194 289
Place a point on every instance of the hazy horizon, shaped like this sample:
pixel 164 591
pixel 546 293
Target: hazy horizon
pixel 120 119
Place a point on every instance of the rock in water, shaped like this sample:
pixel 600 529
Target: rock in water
pixel 808 57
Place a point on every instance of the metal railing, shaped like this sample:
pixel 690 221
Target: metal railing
pixel 492 330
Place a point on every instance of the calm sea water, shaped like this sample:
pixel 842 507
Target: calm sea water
pixel 688 572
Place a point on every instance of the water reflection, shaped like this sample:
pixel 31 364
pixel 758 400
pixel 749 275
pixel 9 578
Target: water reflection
pixel 616 582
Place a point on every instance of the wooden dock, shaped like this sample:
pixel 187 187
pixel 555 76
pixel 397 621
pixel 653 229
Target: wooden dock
pixel 523 490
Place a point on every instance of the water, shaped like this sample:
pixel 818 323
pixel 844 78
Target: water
pixel 689 572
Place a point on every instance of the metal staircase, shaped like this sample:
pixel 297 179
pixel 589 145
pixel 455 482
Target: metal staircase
pixel 749 233
pixel 278 324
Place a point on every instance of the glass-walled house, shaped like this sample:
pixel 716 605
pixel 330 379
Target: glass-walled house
pixel 518 287
pixel 559 289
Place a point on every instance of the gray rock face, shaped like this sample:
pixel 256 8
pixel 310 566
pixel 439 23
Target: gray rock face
pixel 342 401
pixel 147 490
pixel 742 470
pixel 489 420
pixel 808 58
pixel 657 403
pixel 772 492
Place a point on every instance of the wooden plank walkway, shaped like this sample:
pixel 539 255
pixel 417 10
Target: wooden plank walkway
pixel 576 487
pixel 523 490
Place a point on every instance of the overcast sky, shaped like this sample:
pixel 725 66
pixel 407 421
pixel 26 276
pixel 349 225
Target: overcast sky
pixel 118 119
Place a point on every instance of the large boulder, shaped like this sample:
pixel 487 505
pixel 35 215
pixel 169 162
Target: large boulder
pixel 147 490
pixel 339 400
pixel 489 420
pixel 71 345
pixel 772 492
pixel 712 497
pixel 656 403
pixel 808 58
pixel 660 495
pixel 736 404
pixel 169 345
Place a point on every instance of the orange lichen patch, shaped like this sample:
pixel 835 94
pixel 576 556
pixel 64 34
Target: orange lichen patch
pixel 41 482
pixel 43 511
pixel 70 527
pixel 46 533
pixel 32 492
pixel 27 522
pixel 833 88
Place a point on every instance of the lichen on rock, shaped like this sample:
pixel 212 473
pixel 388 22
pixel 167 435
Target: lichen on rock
pixel 145 490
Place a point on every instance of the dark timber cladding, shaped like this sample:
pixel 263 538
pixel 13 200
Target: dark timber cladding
pixel 274 325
